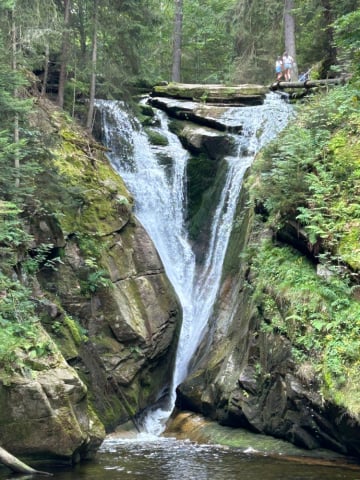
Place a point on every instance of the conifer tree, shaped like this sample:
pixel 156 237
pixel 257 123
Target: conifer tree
pixel 64 53
pixel 290 38
pixel 177 41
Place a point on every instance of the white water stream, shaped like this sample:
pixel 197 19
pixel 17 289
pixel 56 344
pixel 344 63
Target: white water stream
pixel 156 177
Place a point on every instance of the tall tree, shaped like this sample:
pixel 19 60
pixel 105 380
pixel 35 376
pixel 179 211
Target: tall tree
pixel 14 43
pixel 15 156
pixel 289 32
pixel 329 17
pixel 177 41
pixel 93 67
pixel 64 53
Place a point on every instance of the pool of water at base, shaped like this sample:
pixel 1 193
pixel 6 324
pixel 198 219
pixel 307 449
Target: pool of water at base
pixel 171 459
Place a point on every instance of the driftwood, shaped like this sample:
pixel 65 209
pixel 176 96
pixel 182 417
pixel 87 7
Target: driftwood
pixel 17 465
pixel 307 83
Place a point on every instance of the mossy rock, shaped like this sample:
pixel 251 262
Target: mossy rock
pixel 91 194
pixel 212 93
pixel 176 126
pixel 156 138
pixel 242 226
pixel 146 110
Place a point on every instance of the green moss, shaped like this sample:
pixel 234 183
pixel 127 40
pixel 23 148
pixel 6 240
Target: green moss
pixel 176 126
pixel 92 196
pixel 146 110
pixel 77 332
pixel 172 89
pixel 349 245
pixel 156 138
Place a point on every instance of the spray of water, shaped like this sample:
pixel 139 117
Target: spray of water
pixel 156 178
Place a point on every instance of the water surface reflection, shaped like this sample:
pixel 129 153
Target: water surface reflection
pixel 171 459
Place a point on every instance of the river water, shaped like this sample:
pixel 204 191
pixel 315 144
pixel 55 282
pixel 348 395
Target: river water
pixel 170 459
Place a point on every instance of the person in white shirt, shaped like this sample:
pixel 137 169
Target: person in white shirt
pixel 288 63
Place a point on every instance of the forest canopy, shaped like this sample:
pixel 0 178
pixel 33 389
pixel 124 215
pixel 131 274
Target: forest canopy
pixel 120 45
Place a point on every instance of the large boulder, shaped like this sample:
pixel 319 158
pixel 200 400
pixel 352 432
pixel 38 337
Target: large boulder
pixel 206 140
pixel 45 412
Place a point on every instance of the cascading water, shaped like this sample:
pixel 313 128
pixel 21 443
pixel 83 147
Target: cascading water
pixel 160 204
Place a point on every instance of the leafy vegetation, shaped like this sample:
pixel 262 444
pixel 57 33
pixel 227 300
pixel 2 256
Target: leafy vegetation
pixel 311 174
pixel 309 177
pixel 19 328
pixel 97 277
pixel 320 316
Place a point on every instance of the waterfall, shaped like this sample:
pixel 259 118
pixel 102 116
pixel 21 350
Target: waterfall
pixel 158 187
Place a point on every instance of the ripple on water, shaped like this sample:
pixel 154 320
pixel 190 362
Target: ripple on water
pixel 170 459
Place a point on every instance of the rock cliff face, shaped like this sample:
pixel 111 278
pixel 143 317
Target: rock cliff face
pixel 244 376
pixel 103 298
pixel 248 378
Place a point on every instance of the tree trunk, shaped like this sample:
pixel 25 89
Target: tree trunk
pixel 17 465
pixel 64 54
pixel 82 32
pixel 176 65
pixel 16 118
pixel 90 115
pixel 46 70
pixel 329 30
pixel 307 84
pixel 289 26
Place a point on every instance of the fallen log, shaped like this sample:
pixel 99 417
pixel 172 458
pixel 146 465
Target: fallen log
pixel 17 465
pixel 307 83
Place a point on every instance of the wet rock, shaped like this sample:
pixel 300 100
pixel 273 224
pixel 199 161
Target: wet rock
pixel 212 116
pixel 205 140
pixel 240 94
pixel 251 376
pixel 47 415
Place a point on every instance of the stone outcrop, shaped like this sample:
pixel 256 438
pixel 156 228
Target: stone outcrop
pixel 204 140
pixel 212 116
pixel 247 94
pixel 130 323
pixel 46 413
pixel 102 296
pixel 248 378
pixel 192 426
